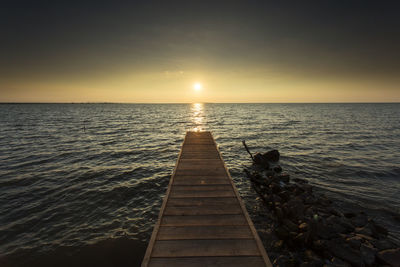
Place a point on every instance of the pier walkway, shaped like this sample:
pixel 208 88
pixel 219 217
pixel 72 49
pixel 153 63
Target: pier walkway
pixel 203 221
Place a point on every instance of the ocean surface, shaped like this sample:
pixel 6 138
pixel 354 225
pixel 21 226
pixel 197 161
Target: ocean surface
pixel 82 184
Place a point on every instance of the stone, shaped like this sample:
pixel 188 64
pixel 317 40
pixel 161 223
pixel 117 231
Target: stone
pixel 325 231
pixel 364 230
pixel 285 195
pixel 319 245
pixel 290 225
pixel 382 244
pixel 278 169
pixel 368 255
pixel 276 198
pixel 354 242
pixel 345 252
pixel 339 263
pixel 259 159
pixel 275 188
pixel 359 220
pixel 349 215
pixel 272 155
pixel 300 181
pixel 282 232
pixel 309 200
pixel 296 208
pixel 390 257
pixel 278 244
pixel 300 239
pixel 307 188
pixel 303 227
pixel 377 229
pixel 284 177
pixel 279 214
pixel 366 237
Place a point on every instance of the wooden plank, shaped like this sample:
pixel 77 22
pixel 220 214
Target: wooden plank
pixel 208 261
pixel 195 248
pixel 200 210
pixel 202 201
pixel 204 232
pixel 201 187
pixel 201 155
pixel 199 148
pixel 196 193
pixel 204 172
pixel 200 161
pixel 199 166
pixel 220 219
pixel 201 181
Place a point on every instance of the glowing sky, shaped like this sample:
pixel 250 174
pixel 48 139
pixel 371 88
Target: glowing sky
pixel 239 51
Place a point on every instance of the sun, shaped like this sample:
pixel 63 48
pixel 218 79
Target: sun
pixel 197 86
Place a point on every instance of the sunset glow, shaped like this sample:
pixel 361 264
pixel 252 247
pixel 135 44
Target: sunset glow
pixel 197 86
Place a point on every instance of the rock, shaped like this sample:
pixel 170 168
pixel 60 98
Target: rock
pixel 382 244
pixel 275 188
pixel 324 201
pixel 345 252
pixel 278 244
pixel 377 229
pixel 279 214
pixel 311 257
pixel 325 231
pixel 278 169
pixel 282 232
pixel 319 245
pixel 307 188
pixel 300 239
pixel 364 230
pixel 354 242
pixel 366 237
pixel 272 156
pixel 368 255
pixel 284 177
pixel 296 208
pixel 303 227
pixel 285 195
pixel 349 215
pixel 276 198
pixel 390 257
pixel 285 261
pixel 290 225
pixel 359 220
pixel 259 159
pixel 309 200
pixel 338 263
pixel 300 181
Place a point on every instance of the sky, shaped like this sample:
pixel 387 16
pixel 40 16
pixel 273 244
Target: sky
pixel 239 51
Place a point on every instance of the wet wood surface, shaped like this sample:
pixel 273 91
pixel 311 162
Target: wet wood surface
pixel 203 221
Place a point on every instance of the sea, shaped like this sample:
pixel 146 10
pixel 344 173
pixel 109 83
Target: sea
pixel 82 184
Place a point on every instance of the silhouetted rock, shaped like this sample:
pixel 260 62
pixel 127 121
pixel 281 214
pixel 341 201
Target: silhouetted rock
pixel 278 169
pixel 368 254
pixel 259 159
pixel 284 177
pixel 272 155
pixel 345 252
pixel 382 244
pixel 359 220
pixel 390 256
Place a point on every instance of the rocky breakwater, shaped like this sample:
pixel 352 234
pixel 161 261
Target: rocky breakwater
pixel 306 230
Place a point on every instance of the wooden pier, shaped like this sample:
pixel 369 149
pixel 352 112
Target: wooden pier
pixel 203 221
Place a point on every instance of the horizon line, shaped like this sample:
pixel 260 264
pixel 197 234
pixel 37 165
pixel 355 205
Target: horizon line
pixel 172 103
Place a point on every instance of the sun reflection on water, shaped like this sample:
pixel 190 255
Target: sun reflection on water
pixel 197 117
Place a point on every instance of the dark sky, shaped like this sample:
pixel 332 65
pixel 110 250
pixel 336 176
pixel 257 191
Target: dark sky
pixel 55 41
